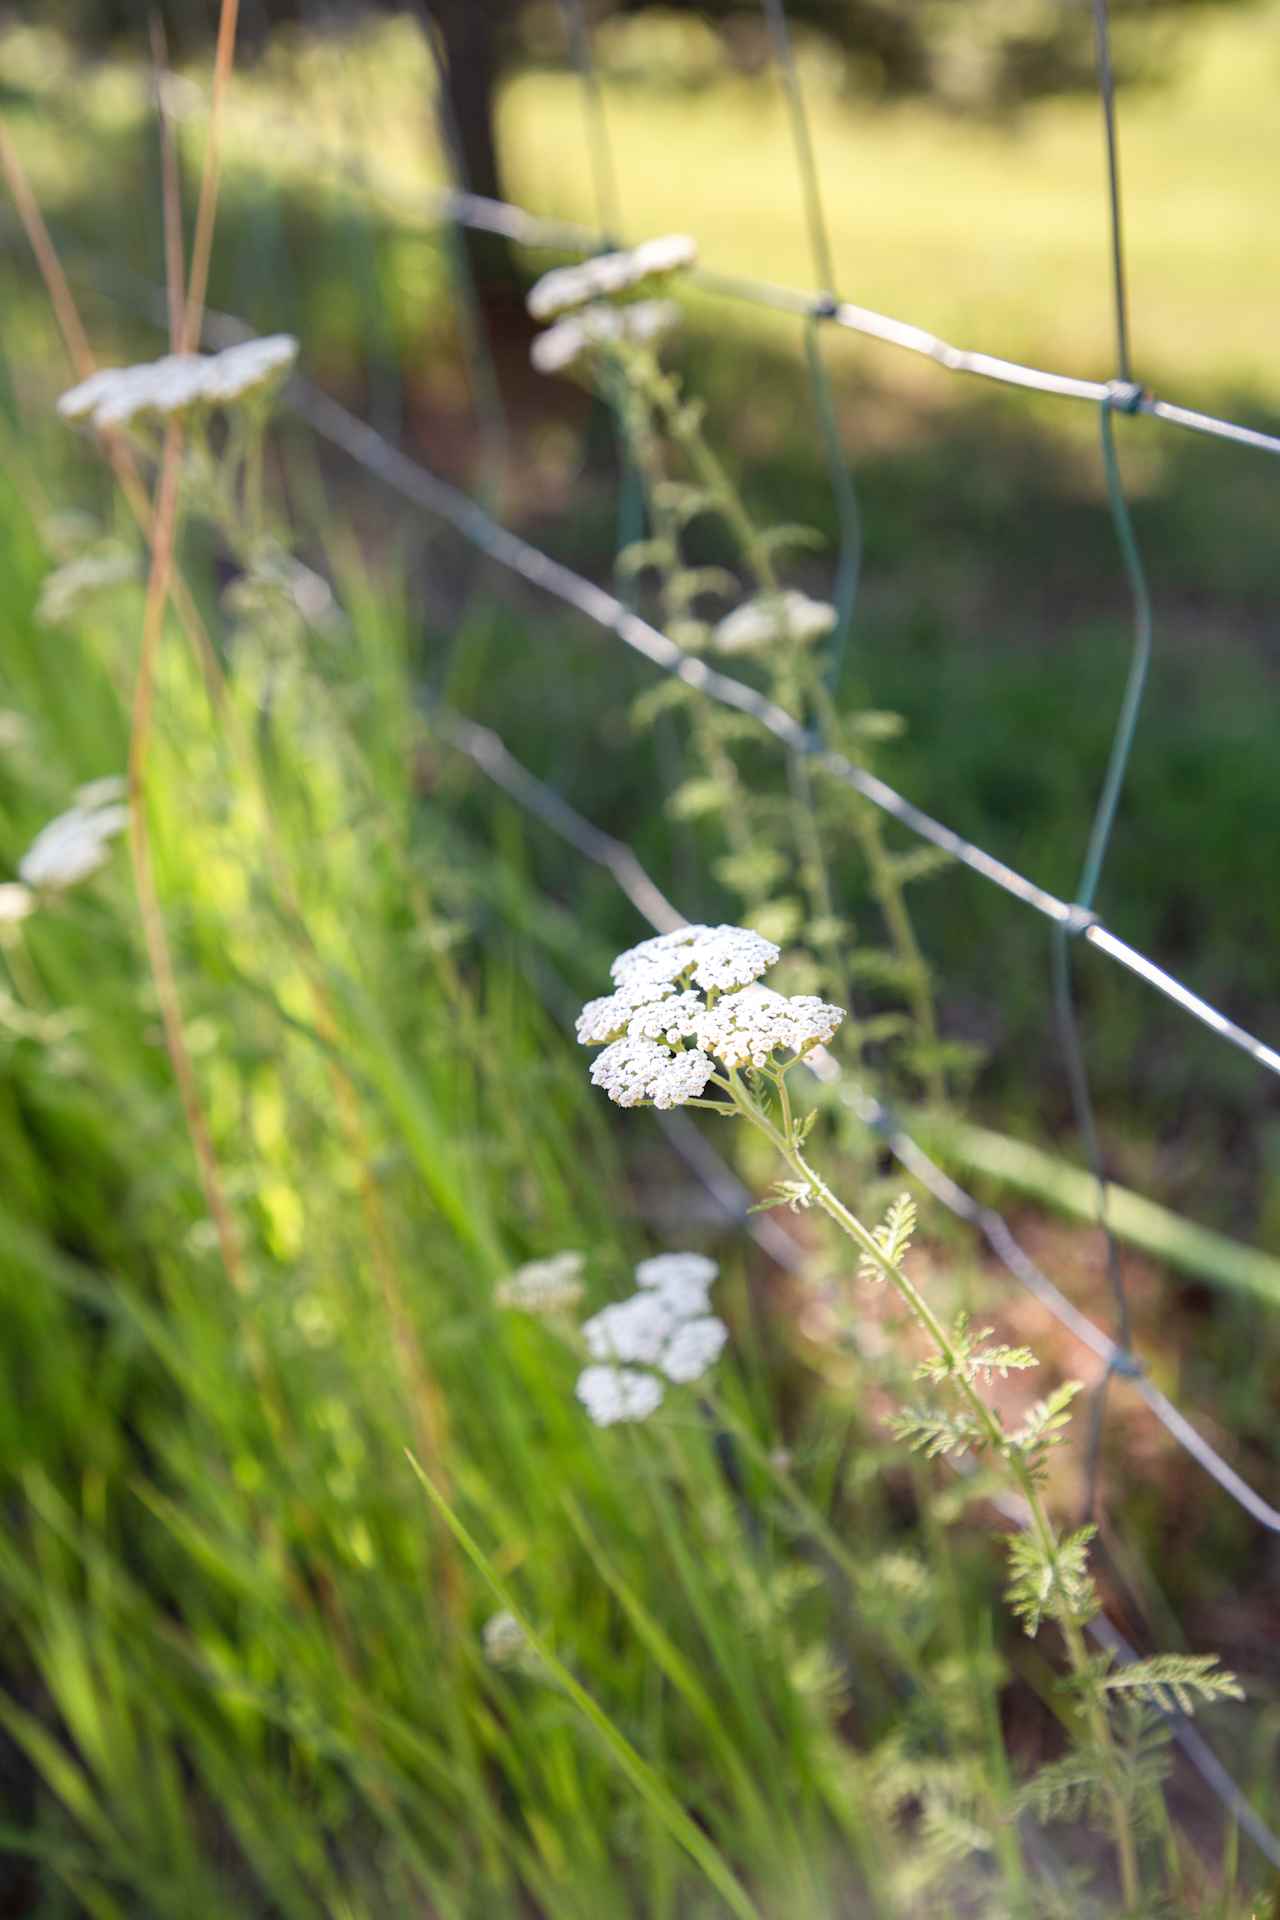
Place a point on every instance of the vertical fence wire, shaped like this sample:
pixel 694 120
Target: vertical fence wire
pixel 1124 395
pixel 848 517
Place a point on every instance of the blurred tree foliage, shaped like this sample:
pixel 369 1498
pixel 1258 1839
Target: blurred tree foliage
pixel 975 55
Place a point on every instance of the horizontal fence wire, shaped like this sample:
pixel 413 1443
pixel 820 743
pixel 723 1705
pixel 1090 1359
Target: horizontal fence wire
pixel 538 232
pixel 425 489
pixel 489 753
pixel 564 236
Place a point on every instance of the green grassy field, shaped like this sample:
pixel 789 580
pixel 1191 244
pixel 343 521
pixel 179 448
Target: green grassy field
pixel 766 1669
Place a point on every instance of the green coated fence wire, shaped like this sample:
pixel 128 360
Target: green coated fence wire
pixel 848 518
pixel 1126 395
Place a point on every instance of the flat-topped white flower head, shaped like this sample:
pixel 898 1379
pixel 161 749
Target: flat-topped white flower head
pixel 551 1286
pixel 682 1281
pixel 117 395
pixel 613 1394
pixel 693 1349
pixel 600 325
pixel 72 847
pixel 688 999
pixel 666 1325
pixel 566 288
pixel 178 382
pixel 727 957
pixel 631 1071
pixel 251 365
pixel 634 1330
pixel 746 1028
pixel 771 618
pixel 719 957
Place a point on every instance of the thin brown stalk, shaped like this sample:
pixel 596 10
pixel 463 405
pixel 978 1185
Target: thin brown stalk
pixel 83 362
pixel 172 193
pixel 206 210
pixel 55 280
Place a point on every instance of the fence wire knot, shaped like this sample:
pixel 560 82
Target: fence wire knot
pixel 1125 396
pixel 1126 1363
pixel 825 306
pixel 1078 919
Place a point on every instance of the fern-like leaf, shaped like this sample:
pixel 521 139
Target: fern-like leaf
pixel 893 1238
pixel 1065 1789
pixel 1053 1585
pixel 1175 1680
pixel 933 1431
pixel 1044 1427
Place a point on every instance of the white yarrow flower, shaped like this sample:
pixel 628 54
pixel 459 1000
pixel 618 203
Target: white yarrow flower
pixel 242 369
pixel 608 274
pixel 504 1639
pixel 745 1028
pixel 657 1007
pixel 672 1019
pixel 684 1077
pixel 72 847
pixel 611 1394
pixel 548 1286
pixel 772 617
pixel 682 1281
pixel 627 1069
pixel 610 1017
pixel 693 1349
pixel 16 903
pixel 667 1325
pixel 599 325
pixel 726 957
pixel 177 382
pixel 634 1330
pixel 664 958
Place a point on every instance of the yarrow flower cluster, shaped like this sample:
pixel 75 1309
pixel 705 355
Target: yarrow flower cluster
pixel 563 344
pixel 504 1640
pixel 77 843
pixel 179 382
pixel 566 288
pixel 16 902
pixel 666 1326
pixel 551 1286
pixel 685 1000
pixel 769 618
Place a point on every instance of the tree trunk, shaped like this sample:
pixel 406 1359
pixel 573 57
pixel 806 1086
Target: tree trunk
pixel 471 47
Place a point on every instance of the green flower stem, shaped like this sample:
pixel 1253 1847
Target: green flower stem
pixel 684 425
pixel 891 899
pixel 654 397
pixel 784 1141
pixel 683 422
pixel 636 372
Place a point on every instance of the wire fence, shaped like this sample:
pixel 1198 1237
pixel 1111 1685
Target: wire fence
pixel 1070 920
